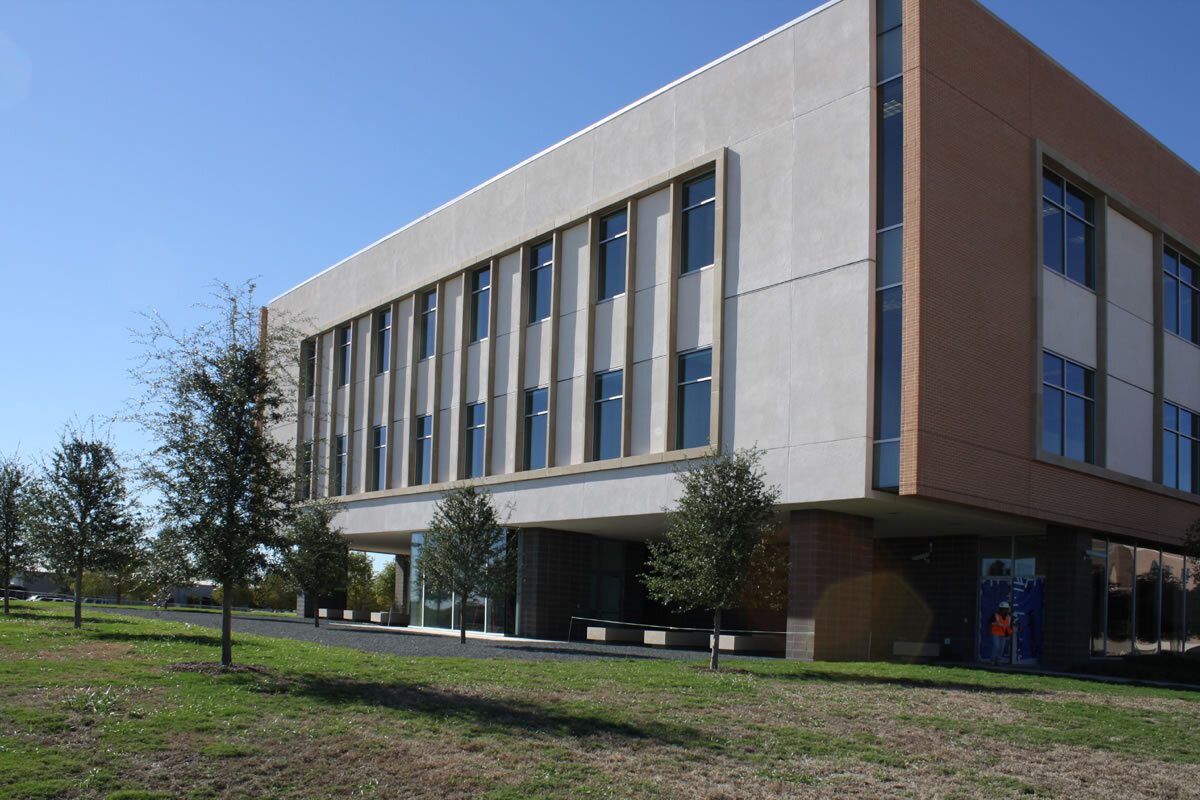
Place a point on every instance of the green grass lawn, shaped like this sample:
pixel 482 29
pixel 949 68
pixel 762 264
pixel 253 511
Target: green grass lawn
pixel 127 708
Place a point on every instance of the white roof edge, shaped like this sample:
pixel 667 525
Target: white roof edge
pixel 567 140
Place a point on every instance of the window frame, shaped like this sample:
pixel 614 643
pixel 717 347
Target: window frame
pixel 1176 431
pixel 535 271
pixel 427 343
pixel 379 458
pixel 471 430
pixel 480 304
pixel 531 418
pixel 343 344
pixel 680 387
pixel 1089 402
pixel 383 340
pixel 308 363
pixel 306 470
pixel 685 216
pixel 1171 322
pixel 422 472
pixel 598 405
pixel 1069 187
pixel 602 244
pixel 341 466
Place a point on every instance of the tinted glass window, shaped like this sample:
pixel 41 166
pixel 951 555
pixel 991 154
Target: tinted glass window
pixel 540 259
pixel 699 223
pixel 536 418
pixel 613 242
pixel 693 401
pixel 891 154
pixel 606 416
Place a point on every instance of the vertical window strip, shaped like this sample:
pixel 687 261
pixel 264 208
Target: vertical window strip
pixel 889 278
pixel 541 259
pixel 422 450
pixel 613 231
pixel 606 415
pixel 693 399
pixel 698 223
pixel 481 281
pixel 1181 279
pixel 1068 408
pixel 473 451
pixel 1181 448
pixel 340 476
pixel 379 461
pixel 537 418
pixel 383 340
pixel 1068 230
pixel 343 355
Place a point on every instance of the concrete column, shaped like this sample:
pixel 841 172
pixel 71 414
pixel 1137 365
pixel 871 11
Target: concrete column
pixel 401 613
pixel 829 586
pixel 1067 600
pixel 553 582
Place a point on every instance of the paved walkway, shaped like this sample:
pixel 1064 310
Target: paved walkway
pixel 409 642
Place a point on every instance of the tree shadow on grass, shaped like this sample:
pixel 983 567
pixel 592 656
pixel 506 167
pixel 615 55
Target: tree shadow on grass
pixel 210 640
pixel 488 715
pixel 890 680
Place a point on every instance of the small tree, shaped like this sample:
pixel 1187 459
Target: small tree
pixel 722 520
pixel 384 586
pixel 85 518
pixel 212 397
pixel 316 557
pixel 274 591
pixel 168 566
pixel 466 549
pixel 360 583
pixel 15 490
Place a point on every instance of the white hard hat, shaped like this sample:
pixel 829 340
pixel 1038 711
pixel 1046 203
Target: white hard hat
pixel 1004 604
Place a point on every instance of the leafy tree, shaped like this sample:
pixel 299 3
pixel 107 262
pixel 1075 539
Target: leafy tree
pixel 85 518
pixel 316 558
pixel 168 566
pixel 466 549
pixel 274 591
pixel 384 587
pixel 239 595
pixel 1191 546
pixel 722 520
pixel 213 396
pixel 360 583
pixel 16 483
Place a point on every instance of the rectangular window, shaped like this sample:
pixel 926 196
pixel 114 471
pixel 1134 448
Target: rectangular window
pixel 536 419
pixel 1068 408
pixel 343 355
pixel 693 399
pixel 606 416
pixel 541 257
pixel 481 281
pixel 306 470
pixel 308 365
pixel 379 458
pixel 476 433
pixel 613 241
pixel 1068 230
pixel 428 343
pixel 1181 277
pixel 383 340
pixel 699 223
pixel 341 478
pixel 422 450
pixel 1181 448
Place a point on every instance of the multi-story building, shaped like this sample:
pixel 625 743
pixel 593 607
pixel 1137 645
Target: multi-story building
pixel 947 288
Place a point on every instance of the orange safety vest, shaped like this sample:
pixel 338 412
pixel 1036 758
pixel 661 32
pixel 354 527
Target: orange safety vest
pixel 1001 626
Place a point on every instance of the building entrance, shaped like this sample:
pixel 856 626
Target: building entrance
pixel 1011 570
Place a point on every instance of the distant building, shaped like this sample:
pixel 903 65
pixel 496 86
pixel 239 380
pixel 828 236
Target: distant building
pixel 949 290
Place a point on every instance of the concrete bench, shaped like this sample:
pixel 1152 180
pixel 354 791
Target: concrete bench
pixel 749 643
pixel 350 615
pixel 677 638
pixel 916 649
pixel 394 618
pixel 329 613
pixel 603 634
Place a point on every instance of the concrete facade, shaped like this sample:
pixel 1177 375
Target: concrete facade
pixel 789 130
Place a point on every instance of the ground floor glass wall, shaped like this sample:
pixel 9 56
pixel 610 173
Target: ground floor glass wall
pixel 1145 600
pixel 432 610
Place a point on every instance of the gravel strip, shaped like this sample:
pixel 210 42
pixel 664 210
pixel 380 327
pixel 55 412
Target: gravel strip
pixel 408 643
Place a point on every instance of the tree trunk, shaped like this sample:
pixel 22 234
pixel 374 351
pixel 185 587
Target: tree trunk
pixel 227 623
pixel 716 639
pixel 316 613
pixel 7 578
pixel 79 597
pixel 462 629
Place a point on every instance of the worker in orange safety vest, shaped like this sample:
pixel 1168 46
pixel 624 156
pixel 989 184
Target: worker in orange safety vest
pixel 1001 630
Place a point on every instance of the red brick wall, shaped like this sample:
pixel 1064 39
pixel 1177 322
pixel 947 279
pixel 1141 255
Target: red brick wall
pixel 977 96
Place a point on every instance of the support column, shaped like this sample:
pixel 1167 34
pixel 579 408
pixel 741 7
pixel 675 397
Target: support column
pixel 401 613
pixel 553 582
pixel 829 586
pixel 1067 598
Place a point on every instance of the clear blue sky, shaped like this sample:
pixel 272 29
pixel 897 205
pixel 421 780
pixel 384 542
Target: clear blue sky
pixel 148 147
